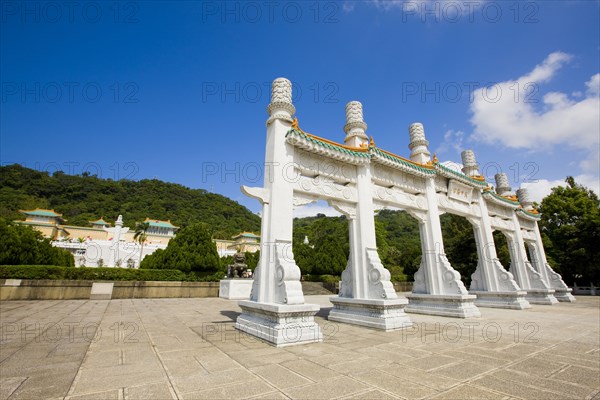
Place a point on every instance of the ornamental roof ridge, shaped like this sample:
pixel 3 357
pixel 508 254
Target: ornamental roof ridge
pixel 158 222
pixel 503 199
pixel 458 175
pixel 100 221
pixel 42 211
pixel 424 169
pixel 327 148
pixel 529 214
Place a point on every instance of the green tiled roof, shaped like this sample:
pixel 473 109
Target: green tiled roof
pixel 497 196
pixel 402 161
pixel 534 215
pixel 461 175
pixel 42 213
pixel 327 144
pixel 160 224
pixel 246 234
pixel 99 222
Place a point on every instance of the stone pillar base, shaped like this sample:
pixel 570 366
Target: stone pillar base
pixel 541 296
pixel 382 314
pixel 564 295
pixel 458 306
pixel 280 324
pixel 510 300
pixel 235 289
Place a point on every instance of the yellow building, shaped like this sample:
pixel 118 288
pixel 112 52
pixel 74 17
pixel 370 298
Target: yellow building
pixel 51 225
pixel 46 221
pixel 244 242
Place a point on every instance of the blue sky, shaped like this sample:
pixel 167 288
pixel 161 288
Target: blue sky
pixel 178 91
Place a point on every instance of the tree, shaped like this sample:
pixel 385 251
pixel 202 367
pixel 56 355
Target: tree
pixel 459 245
pixel 21 245
pixel 192 250
pixel 83 198
pixel 140 236
pixel 570 227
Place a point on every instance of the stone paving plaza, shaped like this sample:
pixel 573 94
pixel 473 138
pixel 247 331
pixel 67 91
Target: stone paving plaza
pixel 188 349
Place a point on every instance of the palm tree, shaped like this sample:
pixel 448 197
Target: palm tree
pixel 140 236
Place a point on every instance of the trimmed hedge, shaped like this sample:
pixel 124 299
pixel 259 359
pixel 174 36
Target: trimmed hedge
pixel 322 278
pixel 105 274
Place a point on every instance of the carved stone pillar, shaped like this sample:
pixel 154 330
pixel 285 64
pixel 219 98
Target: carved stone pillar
pixel 276 311
pixel 470 167
pixel 528 279
pixel 502 185
pixel 538 256
pixel 367 297
pixel 437 289
pixel 491 283
pixel 418 144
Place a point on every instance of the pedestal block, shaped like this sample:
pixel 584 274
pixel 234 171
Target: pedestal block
pixel 235 289
pixel 541 296
pixel 386 315
pixel 458 306
pixel 510 300
pixel 564 295
pixel 280 324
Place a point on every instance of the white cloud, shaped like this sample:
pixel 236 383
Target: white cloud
pixel 430 10
pixel 593 85
pixel 454 166
pixel 452 140
pixel 506 114
pixel 348 6
pixel 311 210
pixel 542 188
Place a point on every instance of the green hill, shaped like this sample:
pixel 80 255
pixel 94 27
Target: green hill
pixel 84 198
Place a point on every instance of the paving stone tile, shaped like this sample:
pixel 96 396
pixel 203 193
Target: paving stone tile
pixel 279 376
pixel 463 392
pixel 271 396
pixel 537 366
pixel 107 395
pixel 464 370
pixel 327 360
pixel 94 380
pixel 557 386
pixel 44 386
pixel 431 362
pixel 572 360
pixel 386 353
pixel 584 376
pixel 151 391
pixel 360 365
pixel 495 362
pixel 429 379
pixel 372 395
pixel 310 370
pixel 262 356
pixel 9 385
pixel 394 385
pixel 513 388
pixel 203 381
pixel 332 388
pixel 234 391
pixel 353 362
